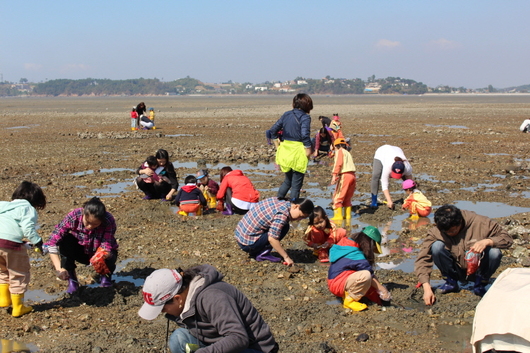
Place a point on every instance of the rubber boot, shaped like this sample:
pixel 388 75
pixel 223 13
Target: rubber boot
pixel 228 210
pixel 19 308
pixel 182 213
pixel 338 214
pixel 73 284
pixel 350 303
pixel 347 212
pixel 106 281
pixel 480 286
pixel 5 296
pixel 212 202
pixel 414 217
pixel 374 201
pixel 266 256
pixel 450 286
pixel 7 346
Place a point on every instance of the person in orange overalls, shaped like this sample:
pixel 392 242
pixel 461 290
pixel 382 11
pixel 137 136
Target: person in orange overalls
pixel 344 177
pixel 321 234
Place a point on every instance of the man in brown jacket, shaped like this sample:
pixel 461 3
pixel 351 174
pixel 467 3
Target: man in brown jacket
pixel 446 244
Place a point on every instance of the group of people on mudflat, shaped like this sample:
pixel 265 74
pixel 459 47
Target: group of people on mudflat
pixel 215 315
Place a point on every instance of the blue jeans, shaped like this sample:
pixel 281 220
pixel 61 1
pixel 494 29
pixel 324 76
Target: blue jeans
pixel 181 336
pixel 446 263
pixel 262 243
pixel 293 180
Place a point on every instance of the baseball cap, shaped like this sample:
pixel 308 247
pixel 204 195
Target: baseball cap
pixel 202 173
pixel 159 288
pixel 339 141
pixel 408 184
pixel 397 169
pixel 373 233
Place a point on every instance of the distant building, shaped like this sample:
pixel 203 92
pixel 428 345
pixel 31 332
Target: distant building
pixel 261 88
pixel 372 87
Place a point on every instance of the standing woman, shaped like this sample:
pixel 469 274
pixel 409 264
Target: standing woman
pixel 389 161
pixel 168 184
pixel 293 153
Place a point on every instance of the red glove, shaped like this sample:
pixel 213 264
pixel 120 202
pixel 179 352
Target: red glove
pixel 98 262
pixel 220 206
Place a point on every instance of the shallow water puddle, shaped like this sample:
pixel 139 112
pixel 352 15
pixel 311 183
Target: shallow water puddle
pixel 9 346
pixel 483 187
pixel 449 126
pixel 490 209
pixel 456 337
pixel 112 190
pixel 103 170
pixel 21 127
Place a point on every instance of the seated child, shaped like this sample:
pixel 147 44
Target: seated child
pixel 208 187
pixel 190 198
pixel 351 274
pixel 152 163
pixel 152 117
pixel 416 202
pixel 321 234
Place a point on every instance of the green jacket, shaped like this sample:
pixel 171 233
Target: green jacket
pixel 17 221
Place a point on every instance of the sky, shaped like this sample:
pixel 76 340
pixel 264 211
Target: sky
pixel 468 43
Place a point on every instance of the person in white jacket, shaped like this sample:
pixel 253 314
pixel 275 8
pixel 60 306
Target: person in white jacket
pixel 389 162
pixel 18 219
pixel 525 126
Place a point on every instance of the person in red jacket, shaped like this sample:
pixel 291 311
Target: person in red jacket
pixel 236 192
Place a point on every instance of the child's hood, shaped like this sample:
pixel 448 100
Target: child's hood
pixel 189 187
pixel 6 206
pixel 345 248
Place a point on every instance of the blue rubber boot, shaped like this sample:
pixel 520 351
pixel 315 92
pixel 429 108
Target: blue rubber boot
pixel 450 286
pixel 480 286
pixel 374 201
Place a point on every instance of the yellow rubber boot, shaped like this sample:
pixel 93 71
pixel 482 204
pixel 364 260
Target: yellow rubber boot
pixel 7 346
pixel 19 308
pixel 350 303
pixel 347 212
pixel 212 202
pixel 5 296
pixel 337 214
pixel 414 217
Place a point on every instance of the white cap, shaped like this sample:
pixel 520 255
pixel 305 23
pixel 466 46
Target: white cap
pixel 161 286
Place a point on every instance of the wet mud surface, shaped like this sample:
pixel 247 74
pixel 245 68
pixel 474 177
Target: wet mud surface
pixel 464 150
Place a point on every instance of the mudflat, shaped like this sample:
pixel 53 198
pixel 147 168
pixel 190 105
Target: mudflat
pixel 464 149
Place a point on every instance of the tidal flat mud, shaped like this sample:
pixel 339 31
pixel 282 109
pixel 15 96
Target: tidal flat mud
pixel 466 150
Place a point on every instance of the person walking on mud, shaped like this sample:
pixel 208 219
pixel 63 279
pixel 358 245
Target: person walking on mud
pixel 85 235
pixel 389 162
pixel 293 153
pixel 458 237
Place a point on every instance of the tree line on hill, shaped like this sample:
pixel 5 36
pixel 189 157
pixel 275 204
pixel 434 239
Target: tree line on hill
pixel 188 85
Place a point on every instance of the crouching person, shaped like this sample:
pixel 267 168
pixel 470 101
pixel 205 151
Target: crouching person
pixel 211 313
pixel 456 233
pixel 85 235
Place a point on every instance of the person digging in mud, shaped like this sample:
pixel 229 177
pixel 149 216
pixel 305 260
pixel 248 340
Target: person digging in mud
pixel 322 143
pixel 321 234
pixel 389 161
pixel 213 315
pixel 351 275
pixel 236 194
pixel 293 153
pixel 190 199
pixel 457 234
pixel 208 186
pixel 18 220
pixel 85 235
pixel 416 202
pixel 166 186
pixel 266 224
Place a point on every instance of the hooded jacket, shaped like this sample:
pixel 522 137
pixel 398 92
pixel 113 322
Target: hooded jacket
pixel 222 317
pixel 475 228
pixel 242 188
pixel 189 193
pixel 17 221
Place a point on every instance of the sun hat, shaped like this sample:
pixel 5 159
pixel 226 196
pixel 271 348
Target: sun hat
pixel 373 233
pixel 397 169
pixel 202 173
pixel 151 109
pixel 408 184
pixel 159 288
pixel 339 141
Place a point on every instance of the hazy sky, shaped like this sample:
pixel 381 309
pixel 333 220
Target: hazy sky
pixel 457 43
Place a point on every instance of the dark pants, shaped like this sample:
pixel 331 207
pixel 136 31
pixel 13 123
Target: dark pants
pixel 262 243
pixel 446 263
pixel 293 180
pixel 155 190
pixel 228 200
pixel 71 252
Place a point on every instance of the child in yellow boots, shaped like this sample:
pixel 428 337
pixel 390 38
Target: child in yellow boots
pixel 416 202
pixel 190 198
pixel 18 219
pixel 344 177
pixel 351 274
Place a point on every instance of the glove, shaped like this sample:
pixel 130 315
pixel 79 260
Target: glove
pixel 384 295
pixel 98 262
pixel 220 206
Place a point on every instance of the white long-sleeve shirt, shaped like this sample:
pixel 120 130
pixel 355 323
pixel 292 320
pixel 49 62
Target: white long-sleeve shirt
pixel 386 155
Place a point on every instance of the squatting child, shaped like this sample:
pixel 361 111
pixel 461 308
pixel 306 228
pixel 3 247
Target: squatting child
pixel 190 198
pixel 209 187
pixel 416 202
pixel 18 219
pixel 351 274
pixel 321 234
